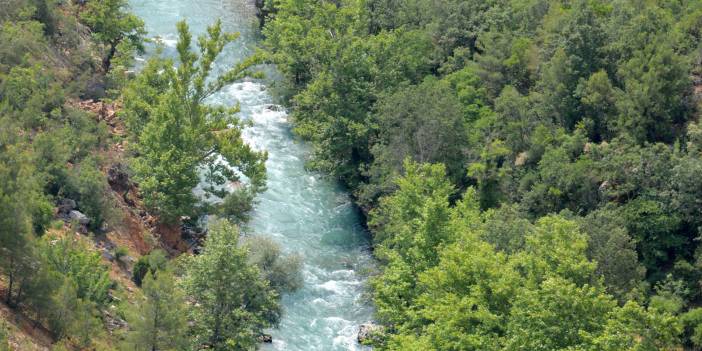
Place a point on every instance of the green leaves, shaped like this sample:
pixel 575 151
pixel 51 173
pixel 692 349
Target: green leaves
pixel 111 24
pixel 158 322
pixel 444 286
pixel 233 303
pixel 178 137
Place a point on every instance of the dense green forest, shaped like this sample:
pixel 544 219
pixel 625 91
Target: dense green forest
pixel 529 171
pixel 530 168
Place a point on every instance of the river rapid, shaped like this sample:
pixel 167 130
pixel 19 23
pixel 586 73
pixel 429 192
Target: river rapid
pixel 304 212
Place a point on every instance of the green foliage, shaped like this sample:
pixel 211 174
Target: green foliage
pixel 24 212
pixel 178 136
pixel 112 24
pixel 152 263
pixel 78 263
pixel 121 252
pixel 232 302
pixel 4 343
pixel 541 293
pixel 159 321
pixel 87 184
pixel 408 127
pixel 284 273
pixel 237 205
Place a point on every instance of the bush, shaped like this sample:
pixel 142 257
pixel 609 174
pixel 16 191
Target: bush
pixel 76 261
pixel 141 267
pixel 283 272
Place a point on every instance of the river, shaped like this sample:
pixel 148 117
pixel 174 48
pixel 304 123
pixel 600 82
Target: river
pixel 306 213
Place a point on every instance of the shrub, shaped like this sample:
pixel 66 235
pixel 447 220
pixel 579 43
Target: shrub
pixel 283 272
pixel 77 262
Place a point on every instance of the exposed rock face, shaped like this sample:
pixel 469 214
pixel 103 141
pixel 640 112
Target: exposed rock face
pixel 368 332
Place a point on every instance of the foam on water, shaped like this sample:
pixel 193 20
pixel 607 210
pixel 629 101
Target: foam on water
pixel 303 211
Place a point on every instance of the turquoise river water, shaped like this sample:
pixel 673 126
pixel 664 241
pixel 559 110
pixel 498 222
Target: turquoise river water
pixel 306 213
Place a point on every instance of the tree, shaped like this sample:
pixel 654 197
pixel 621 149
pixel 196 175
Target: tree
pixel 111 25
pixel 284 273
pixel 557 315
pixel 153 262
pixel 653 100
pixel 179 137
pixel 158 322
pixel 22 212
pixel 611 246
pixel 232 302
pixel 409 128
pixel 634 328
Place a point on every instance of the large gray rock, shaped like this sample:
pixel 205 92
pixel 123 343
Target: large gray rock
pixel 78 217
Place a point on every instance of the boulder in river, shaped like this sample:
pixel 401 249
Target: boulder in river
pixel 369 332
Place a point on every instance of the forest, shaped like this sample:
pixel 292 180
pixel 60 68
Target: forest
pixel 527 171
pixel 529 168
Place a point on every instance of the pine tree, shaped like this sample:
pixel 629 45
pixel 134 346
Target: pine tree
pixel 159 321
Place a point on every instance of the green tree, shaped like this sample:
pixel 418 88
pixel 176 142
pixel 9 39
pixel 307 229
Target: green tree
pixel 158 322
pixel 75 260
pixel 656 81
pixel 409 128
pixel 112 24
pixel 22 214
pixel 284 273
pixel 232 302
pixel 179 136
pixel 153 262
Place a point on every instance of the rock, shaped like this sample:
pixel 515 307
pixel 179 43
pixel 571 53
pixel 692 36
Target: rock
pixel 113 322
pixel 79 217
pixel 128 260
pixel 265 338
pixel 106 254
pixel 367 332
pixel 118 178
pixel 275 108
pixel 66 205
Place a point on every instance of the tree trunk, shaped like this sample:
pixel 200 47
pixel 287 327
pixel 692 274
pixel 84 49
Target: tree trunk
pixel 107 61
pixel 11 277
